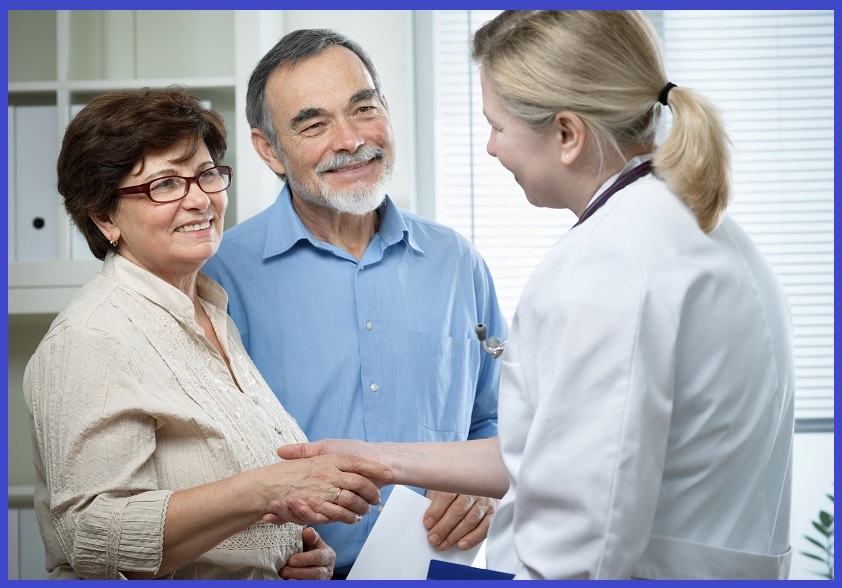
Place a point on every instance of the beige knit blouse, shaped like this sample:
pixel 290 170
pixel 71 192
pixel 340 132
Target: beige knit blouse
pixel 128 403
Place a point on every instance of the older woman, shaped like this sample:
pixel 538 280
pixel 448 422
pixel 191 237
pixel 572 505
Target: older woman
pixel 154 433
pixel 646 392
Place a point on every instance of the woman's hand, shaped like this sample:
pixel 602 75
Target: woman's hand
pixel 314 563
pixel 324 489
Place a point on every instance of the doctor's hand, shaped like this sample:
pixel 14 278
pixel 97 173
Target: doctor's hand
pixel 329 447
pixel 314 563
pixel 458 519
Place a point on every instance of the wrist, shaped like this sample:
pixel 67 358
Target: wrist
pixel 390 454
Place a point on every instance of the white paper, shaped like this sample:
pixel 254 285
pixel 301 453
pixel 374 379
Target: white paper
pixel 397 547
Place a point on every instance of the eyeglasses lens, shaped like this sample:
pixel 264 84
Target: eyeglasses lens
pixel 171 188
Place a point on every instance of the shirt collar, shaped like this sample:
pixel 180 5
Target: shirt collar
pixel 633 163
pixel 286 229
pixel 160 292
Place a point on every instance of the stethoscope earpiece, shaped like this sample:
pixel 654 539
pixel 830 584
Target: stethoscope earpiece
pixel 491 345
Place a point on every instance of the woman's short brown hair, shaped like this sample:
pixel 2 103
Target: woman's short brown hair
pixel 113 133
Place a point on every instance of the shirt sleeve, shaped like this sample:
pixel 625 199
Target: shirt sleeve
pixel 484 414
pixel 594 375
pixel 96 446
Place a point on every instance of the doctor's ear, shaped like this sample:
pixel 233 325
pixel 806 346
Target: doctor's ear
pixel 267 152
pixel 570 132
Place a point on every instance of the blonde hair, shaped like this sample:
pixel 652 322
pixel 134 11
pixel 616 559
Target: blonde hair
pixel 607 68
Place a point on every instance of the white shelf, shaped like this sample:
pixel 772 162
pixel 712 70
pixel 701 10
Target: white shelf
pixel 94 86
pixel 21 496
pixel 46 287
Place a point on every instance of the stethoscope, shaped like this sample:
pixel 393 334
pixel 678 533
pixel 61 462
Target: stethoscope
pixel 494 346
pixel 491 345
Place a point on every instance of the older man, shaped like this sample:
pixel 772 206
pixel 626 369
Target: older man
pixel 359 315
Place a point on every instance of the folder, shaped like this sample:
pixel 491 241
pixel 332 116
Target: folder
pixel 36 201
pixel 446 570
pixel 10 123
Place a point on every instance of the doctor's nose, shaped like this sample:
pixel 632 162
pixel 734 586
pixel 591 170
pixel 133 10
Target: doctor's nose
pixel 490 147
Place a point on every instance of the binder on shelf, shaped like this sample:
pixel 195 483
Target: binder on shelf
pixel 36 201
pixel 11 180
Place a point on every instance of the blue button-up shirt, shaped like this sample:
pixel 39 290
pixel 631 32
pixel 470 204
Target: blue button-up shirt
pixel 380 349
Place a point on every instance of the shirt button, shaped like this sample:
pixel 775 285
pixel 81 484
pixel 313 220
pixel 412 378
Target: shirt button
pixel 278 430
pixel 369 325
pixel 362 267
pixel 374 388
pixel 379 508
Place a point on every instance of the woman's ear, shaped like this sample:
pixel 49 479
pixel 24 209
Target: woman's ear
pixel 107 227
pixel 266 151
pixel 570 132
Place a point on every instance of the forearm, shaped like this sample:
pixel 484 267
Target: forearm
pixel 198 519
pixel 326 489
pixel 463 467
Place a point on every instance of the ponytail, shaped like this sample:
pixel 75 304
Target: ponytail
pixel 694 159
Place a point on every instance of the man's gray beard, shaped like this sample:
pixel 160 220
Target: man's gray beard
pixel 359 202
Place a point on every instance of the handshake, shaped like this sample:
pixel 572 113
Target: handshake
pixel 340 479
pixel 313 487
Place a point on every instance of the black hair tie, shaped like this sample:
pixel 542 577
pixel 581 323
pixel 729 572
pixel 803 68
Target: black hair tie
pixel 662 97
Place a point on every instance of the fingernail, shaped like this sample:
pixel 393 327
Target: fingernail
pixel 433 539
pixel 359 518
pixel 443 546
pixel 429 522
pixel 388 474
pixel 463 545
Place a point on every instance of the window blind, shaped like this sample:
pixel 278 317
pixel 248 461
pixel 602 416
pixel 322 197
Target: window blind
pixel 771 74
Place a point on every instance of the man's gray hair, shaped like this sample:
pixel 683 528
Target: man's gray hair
pixel 292 48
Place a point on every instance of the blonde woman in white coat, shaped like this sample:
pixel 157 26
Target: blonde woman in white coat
pixel 646 395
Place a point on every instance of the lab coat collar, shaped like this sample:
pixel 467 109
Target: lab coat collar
pixel 633 163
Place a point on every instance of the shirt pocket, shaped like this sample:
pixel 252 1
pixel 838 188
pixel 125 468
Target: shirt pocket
pixel 445 370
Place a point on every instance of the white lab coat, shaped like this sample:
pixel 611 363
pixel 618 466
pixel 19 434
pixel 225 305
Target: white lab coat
pixel 646 403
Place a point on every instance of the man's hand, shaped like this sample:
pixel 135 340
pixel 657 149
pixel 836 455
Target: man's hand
pixel 314 563
pixel 458 519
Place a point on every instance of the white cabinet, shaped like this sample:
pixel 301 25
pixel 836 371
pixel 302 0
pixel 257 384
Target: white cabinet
pixel 25 548
pixel 59 60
